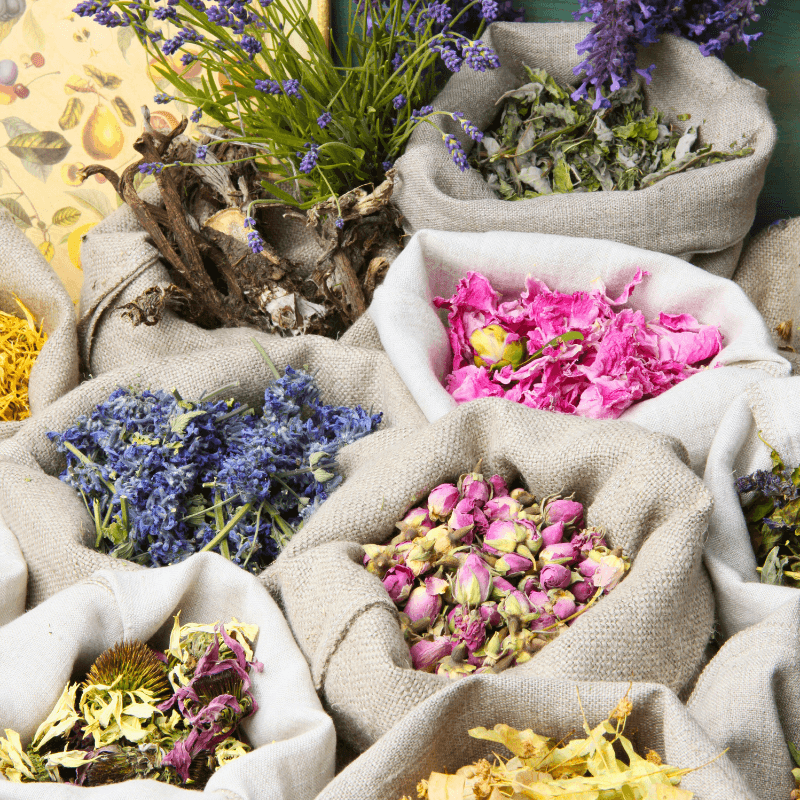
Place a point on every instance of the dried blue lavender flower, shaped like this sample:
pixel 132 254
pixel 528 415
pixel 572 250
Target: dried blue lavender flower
pixel 771 504
pixel 546 142
pixel 164 478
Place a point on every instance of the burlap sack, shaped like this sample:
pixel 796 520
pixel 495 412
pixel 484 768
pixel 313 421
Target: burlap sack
pixel 652 627
pixel 773 408
pixel 413 334
pixel 13 576
pixel 120 262
pixel 706 211
pixel 25 273
pixel 40 652
pixel 748 702
pixel 769 274
pixel 433 736
pixel 49 518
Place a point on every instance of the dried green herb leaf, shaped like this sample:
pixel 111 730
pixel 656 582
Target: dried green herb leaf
pixel 772 571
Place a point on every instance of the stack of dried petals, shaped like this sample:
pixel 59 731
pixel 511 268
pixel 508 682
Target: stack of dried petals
pixel 602 361
pixel 485 578
pixel 545 768
pixel 172 717
pixel 20 343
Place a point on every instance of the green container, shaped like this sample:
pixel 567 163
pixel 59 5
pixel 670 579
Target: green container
pixel 773 62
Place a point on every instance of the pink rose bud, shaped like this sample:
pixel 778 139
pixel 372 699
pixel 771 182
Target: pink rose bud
pixel 473 583
pixel 538 598
pixel 543 621
pixel 494 346
pixel 397 581
pixel 502 507
pixel 553 534
pixel 467 627
pixel 489 613
pixel 514 605
pixel 501 587
pixel 588 539
pixel 425 655
pixel 610 572
pixel 436 585
pixel 512 564
pixel 553 576
pixel 587 567
pixel 475 488
pixel 567 511
pixel 498 485
pixel 463 514
pixel 528 585
pixel 564 606
pixel 442 500
pixel 504 535
pixel 561 553
pixel 583 590
pixel 533 541
pixel 421 604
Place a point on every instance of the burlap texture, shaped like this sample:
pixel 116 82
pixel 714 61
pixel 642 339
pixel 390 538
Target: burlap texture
pixel 433 736
pixel 40 652
pixel 414 336
pixel 652 627
pixel 769 274
pixel 704 211
pixel 773 409
pixel 25 273
pixel 13 576
pixel 48 517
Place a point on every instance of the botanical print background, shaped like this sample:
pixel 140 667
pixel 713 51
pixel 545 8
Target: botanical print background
pixel 71 93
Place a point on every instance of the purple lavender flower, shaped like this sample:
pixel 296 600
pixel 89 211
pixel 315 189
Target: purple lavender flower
pixel 452 60
pixel 339 223
pixel 201 152
pixel 456 151
pixel 166 12
pixel 196 115
pixel 489 10
pixel 255 242
pixel 268 86
pixel 479 56
pixel 323 120
pixel 468 127
pixel 292 87
pixel 250 45
pixel 419 113
pixel 386 165
pixel 310 158
pixel 399 101
pixel 162 98
pixel 249 222
pixel 151 169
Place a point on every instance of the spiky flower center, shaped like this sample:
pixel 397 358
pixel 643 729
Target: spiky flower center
pixel 134 666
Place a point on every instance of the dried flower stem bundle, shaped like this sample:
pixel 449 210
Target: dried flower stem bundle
pixel 543 769
pixel 20 344
pixel 172 717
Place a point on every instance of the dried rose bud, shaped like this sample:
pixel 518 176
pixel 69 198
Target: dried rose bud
pixel 544 621
pixel 554 576
pixel 425 655
pixel 515 604
pixel 567 511
pixel 539 599
pixel 501 587
pixel 463 514
pixel 588 567
pixel 610 572
pixel 489 613
pixel 588 539
pixel 512 564
pixel 523 496
pixel 473 583
pixel 496 347
pixel 563 603
pixel 474 487
pixel 561 553
pixel 502 507
pixel 553 534
pixel 467 626
pixel 422 605
pixel 442 500
pixel 397 581
pixel 504 535
pixel 415 523
pixel 583 590
pixel 494 645
pixel 498 485
pixel 528 585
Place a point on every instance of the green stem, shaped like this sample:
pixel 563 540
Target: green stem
pixel 266 358
pixel 224 532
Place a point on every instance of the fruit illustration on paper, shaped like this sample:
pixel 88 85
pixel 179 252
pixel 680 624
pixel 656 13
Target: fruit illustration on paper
pixel 37 59
pixel 102 134
pixel 8 72
pixel 163 121
pixel 74 242
pixel 7 95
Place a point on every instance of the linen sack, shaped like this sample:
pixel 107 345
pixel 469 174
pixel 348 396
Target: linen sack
pixel 703 214
pixel 120 263
pixel 434 737
pixel 48 517
pixel 773 409
pixel 293 739
pixel 414 336
pixel 769 274
pixel 747 700
pixel 652 627
pixel 13 576
pixel 25 273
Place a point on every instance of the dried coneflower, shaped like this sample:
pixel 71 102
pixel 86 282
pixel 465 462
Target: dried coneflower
pixel 129 667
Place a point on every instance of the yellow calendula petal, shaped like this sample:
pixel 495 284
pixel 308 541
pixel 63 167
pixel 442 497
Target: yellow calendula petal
pixel 14 763
pixel 69 758
pixel 61 718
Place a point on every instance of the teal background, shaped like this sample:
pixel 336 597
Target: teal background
pixel 773 62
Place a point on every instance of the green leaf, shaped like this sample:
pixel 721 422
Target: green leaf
pixel 789 514
pixel 124 38
pixel 760 509
pixel 16 211
pixel 562 182
pixel 72 114
pixel 93 199
pixel 279 193
pixel 772 571
pixel 15 126
pixel 179 423
pixel 66 216
pixel 43 147
pixel 794 752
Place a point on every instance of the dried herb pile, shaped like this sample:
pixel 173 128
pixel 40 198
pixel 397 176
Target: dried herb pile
pixel 547 143
pixel 771 504
pixel 20 344
pixel 484 578
pixel 172 716
pixel 572 353
pixel 165 477
pixel 542 768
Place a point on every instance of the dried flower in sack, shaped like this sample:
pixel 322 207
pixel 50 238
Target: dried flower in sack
pixel 20 344
pixel 545 142
pixel 542 768
pixel 579 354
pixel 172 716
pixel 164 477
pixel 501 574
pixel 771 504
